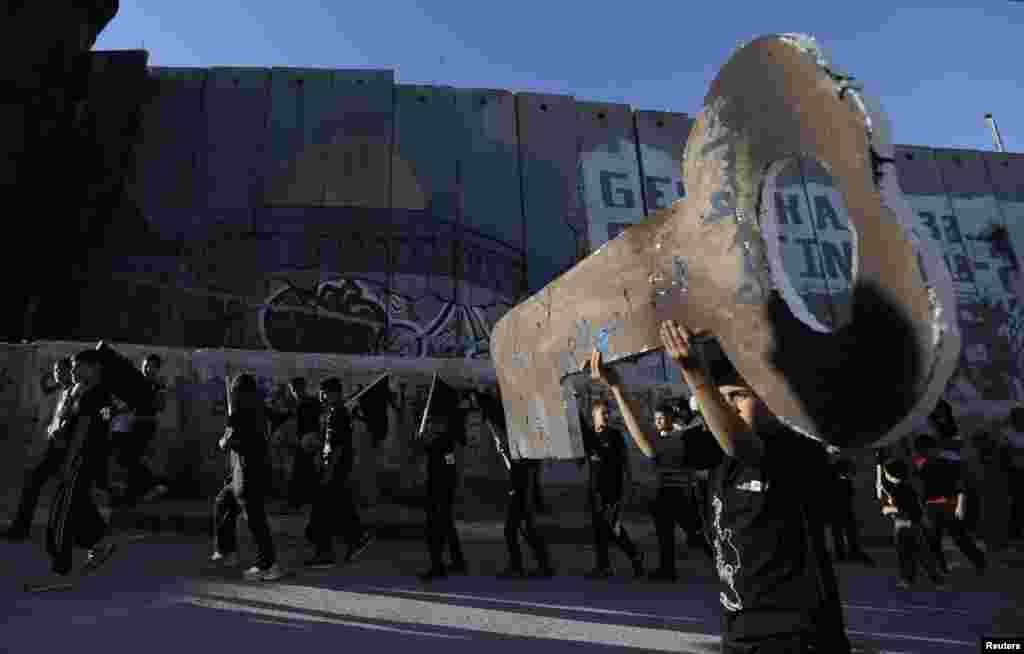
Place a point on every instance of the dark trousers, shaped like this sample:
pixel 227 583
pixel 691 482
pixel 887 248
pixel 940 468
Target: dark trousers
pixel 913 548
pixel 131 449
pixel 303 486
pixel 74 517
pixel 441 520
pixel 825 637
pixel 608 528
pixel 45 467
pixel 942 521
pixel 795 643
pixel 676 505
pixel 334 511
pixel 843 525
pixel 1016 503
pixel 244 493
pixel 520 516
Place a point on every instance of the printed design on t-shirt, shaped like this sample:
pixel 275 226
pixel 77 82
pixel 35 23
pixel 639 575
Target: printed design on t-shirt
pixel 727 560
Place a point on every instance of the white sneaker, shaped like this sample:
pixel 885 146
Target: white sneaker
pixel 273 573
pixel 226 560
pixel 253 573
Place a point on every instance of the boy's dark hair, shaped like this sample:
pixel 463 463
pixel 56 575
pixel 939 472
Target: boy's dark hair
pixel 599 401
pixel 154 359
pixel 64 363
pixel 895 468
pixel 331 385
pixel 297 382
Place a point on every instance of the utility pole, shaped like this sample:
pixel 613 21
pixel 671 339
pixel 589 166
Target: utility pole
pixel 996 138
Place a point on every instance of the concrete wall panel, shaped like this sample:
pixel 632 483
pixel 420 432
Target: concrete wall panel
pixel 488 155
pixel 358 130
pixel 237 103
pixel 426 133
pixel 935 223
pixel 610 169
pixel 661 139
pixel 294 173
pixel 555 223
pixel 170 144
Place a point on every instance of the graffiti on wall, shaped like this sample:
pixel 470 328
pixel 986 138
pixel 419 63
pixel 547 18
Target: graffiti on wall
pixel 356 315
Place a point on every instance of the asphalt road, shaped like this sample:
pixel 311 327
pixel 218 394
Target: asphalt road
pixel 160 594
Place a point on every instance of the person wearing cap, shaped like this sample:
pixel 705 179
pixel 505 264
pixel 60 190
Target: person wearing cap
pixel 779 591
pixel 676 501
pixel 902 504
pixel 333 500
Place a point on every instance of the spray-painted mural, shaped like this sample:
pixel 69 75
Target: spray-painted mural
pixel 359 316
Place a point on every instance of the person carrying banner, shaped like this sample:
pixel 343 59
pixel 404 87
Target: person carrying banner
pixel 520 514
pixel 441 437
pixel 245 441
pixel 334 506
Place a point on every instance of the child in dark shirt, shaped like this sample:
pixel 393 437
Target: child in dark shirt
pixel 245 440
pixel 903 505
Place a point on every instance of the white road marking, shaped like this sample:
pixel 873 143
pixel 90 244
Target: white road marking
pixel 291 615
pixel 282 623
pixel 906 608
pixel 925 639
pixel 561 607
pixel 479 620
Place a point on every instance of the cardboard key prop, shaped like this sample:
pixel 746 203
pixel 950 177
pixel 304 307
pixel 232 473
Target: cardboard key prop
pixel 851 365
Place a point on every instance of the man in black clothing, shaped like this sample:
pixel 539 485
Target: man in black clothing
pixel 677 501
pixel 440 441
pixel 679 495
pixel 944 498
pixel 519 515
pixel 333 498
pixel 779 590
pixel 901 503
pixel 131 445
pixel 49 463
pixel 843 519
pixel 307 414
pixel 609 481
pixel 82 428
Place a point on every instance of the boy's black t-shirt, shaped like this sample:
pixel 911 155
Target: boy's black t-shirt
pixel 441 456
pixel 608 458
pixel 765 522
pixel 308 416
pixel 905 499
pixel 90 404
pixel 337 431
pixel 940 478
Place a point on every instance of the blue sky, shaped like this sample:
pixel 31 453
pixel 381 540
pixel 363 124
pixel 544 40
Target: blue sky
pixel 937 69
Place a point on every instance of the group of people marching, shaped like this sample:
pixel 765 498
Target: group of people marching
pixel 89 427
pixel 742 485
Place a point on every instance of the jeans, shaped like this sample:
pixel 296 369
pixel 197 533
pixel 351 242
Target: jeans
pixel 244 493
